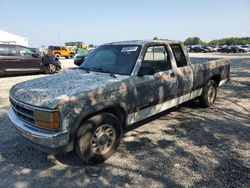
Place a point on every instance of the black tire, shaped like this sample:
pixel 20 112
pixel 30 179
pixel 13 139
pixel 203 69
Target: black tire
pixel 66 57
pixel 50 69
pixel 99 131
pixel 57 56
pixel 208 95
pixel 71 56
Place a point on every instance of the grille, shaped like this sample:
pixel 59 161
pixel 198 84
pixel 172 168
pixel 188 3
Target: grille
pixel 23 112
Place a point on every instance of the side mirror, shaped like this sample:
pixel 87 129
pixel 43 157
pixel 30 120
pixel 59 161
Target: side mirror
pixel 35 55
pixel 146 70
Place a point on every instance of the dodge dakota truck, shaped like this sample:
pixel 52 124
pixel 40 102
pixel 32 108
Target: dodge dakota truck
pixel 119 84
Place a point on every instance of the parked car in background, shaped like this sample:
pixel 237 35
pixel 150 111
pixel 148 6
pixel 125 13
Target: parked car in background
pixel 233 49
pixel 246 47
pixel 225 49
pixel 215 48
pixel 240 49
pixel 209 48
pixel 80 58
pixel 198 49
pixel 61 51
pixel 16 60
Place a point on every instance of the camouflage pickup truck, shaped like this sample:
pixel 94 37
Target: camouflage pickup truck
pixel 119 84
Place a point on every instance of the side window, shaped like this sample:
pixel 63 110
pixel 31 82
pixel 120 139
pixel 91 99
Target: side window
pixel 57 48
pixel 8 51
pixel 26 52
pixel 158 58
pixel 63 48
pixel 12 51
pixel 3 50
pixel 179 55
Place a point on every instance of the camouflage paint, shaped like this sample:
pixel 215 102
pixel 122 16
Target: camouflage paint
pixel 78 94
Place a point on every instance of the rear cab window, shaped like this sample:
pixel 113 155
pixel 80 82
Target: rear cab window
pixel 179 55
pixel 158 58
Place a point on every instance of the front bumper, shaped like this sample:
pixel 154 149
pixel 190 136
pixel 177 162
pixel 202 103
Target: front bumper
pixel 43 140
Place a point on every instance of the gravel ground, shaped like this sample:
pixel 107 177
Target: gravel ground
pixel 186 146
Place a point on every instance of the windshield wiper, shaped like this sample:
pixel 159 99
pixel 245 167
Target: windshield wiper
pixel 104 71
pixel 99 69
pixel 112 75
pixel 84 68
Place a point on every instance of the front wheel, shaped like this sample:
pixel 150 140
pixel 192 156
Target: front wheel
pixel 208 95
pixel 50 69
pixel 98 138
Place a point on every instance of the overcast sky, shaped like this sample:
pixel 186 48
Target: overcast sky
pixel 47 22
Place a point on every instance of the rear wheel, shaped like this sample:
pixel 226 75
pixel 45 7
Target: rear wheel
pixel 208 95
pixel 71 56
pixel 98 138
pixel 57 56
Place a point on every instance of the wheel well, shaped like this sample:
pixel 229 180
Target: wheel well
pixel 118 112
pixel 216 79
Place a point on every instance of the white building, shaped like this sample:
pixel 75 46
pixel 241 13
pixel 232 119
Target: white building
pixel 9 38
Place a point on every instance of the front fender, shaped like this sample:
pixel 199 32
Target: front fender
pixel 93 110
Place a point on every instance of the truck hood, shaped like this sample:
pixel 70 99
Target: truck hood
pixel 50 91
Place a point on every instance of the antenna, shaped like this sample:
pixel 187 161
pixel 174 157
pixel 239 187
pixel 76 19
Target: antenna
pixel 59 37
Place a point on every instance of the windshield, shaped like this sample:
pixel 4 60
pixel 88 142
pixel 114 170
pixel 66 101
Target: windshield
pixel 116 59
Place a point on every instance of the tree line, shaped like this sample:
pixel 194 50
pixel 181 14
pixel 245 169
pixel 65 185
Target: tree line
pixel 224 41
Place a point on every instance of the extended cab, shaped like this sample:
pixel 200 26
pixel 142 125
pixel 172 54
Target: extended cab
pixel 118 84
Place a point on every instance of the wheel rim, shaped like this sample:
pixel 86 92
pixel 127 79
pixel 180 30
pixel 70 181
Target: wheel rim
pixel 103 139
pixel 51 68
pixel 211 94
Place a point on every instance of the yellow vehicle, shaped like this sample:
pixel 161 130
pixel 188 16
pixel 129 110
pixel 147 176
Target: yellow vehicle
pixel 61 51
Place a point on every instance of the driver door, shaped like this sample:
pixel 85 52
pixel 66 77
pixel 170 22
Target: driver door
pixel 151 90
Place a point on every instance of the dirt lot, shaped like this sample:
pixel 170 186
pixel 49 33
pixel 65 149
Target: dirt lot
pixel 186 146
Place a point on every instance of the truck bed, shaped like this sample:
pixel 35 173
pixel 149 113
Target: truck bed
pixel 205 68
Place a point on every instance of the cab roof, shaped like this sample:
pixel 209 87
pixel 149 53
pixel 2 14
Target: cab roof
pixel 144 42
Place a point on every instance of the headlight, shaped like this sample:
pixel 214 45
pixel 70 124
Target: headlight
pixel 48 120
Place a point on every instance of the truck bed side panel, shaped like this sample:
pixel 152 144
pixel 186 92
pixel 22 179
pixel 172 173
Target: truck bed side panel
pixel 205 70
